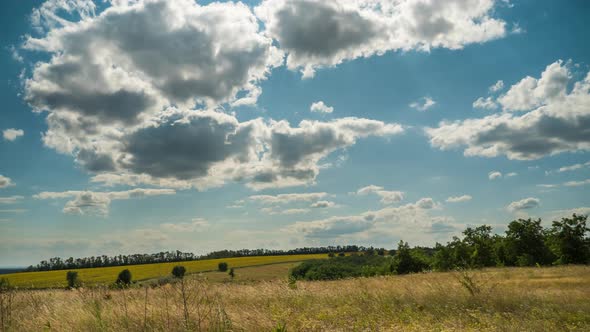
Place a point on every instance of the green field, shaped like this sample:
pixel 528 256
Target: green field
pixel 108 275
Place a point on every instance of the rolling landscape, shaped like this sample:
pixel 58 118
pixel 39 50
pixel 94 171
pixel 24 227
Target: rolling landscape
pixel 294 165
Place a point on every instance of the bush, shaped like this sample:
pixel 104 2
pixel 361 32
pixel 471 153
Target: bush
pixel 231 273
pixel 222 267
pixel 124 278
pixel 72 278
pixel 179 271
pixel 341 267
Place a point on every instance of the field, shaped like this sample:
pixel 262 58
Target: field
pixel 108 275
pixel 497 299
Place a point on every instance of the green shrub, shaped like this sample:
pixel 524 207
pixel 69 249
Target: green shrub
pixel 179 271
pixel 222 267
pixel 73 280
pixel 124 278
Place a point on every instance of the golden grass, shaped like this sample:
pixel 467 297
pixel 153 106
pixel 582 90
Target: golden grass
pixel 508 299
pixel 108 275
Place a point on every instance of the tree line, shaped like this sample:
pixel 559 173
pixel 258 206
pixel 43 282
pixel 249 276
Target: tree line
pixel 57 263
pixel 525 243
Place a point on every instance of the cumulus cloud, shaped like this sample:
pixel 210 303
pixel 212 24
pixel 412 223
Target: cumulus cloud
pixel 459 199
pixel 557 120
pixel 98 203
pixel 497 86
pixel 10 199
pixel 531 93
pixel 387 197
pixel 485 103
pixel 494 175
pixel 5 182
pixel 320 107
pixel 177 52
pixel 143 105
pixel 423 104
pixel 12 134
pixel 322 204
pixel 511 174
pixel 524 204
pixel 317 34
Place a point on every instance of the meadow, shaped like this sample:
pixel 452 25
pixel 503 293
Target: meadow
pixel 491 299
pixel 108 275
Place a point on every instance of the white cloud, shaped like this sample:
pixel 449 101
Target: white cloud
pixel 323 204
pixel 572 167
pixel 98 203
pixel 320 107
pixel 15 55
pixel 577 183
pixel 511 174
pixel 497 86
pixel 485 103
pixel 196 225
pixel 276 211
pixel 387 197
pixel 287 198
pixel 5 182
pixel 531 93
pixel 316 34
pixel 10 199
pixel 556 123
pixel 12 134
pixel 411 215
pixel 494 175
pixel 524 204
pixel 459 199
pixel 108 92
pixel 423 104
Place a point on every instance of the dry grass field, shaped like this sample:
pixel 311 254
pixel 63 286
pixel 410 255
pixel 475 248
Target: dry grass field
pixel 499 299
pixel 108 275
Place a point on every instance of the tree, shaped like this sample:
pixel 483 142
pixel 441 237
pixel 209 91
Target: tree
pixel 408 260
pixel 178 271
pixel 222 267
pixel 124 278
pixel 479 241
pixel 231 273
pixel 525 245
pixel 568 241
pixel 72 278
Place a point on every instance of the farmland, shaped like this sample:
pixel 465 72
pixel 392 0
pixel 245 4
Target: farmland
pixel 108 275
pixel 491 299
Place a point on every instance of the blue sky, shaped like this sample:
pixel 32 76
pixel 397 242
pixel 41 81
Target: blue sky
pixel 140 126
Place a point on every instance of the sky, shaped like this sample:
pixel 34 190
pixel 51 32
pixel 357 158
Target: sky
pixel 132 126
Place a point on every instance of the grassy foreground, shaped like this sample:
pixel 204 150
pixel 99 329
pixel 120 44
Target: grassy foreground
pixel 499 299
pixel 108 275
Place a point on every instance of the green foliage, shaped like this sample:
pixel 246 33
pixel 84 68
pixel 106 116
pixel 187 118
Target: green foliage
pixel 5 285
pixel 568 241
pixel 525 244
pixel 73 280
pixel 222 267
pixel 178 271
pixel 342 267
pixel 408 260
pixel 124 278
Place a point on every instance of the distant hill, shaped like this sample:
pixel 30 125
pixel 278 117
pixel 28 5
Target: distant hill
pixel 11 270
